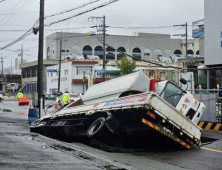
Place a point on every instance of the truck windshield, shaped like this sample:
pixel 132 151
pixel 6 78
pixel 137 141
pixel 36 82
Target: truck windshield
pixel 171 94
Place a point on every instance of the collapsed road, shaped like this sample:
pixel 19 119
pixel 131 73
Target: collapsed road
pixel 21 149
pixel 129 112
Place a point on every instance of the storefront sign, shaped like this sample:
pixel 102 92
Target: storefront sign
pixel 56 79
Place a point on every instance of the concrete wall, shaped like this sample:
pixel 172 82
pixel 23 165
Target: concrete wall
pixel 78 87
pixel 202 48
pixel 213 28
pixel 210 110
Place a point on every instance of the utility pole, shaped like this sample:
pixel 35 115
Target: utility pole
pixel 60 56
pixel 186 39
pixel 11 67
pixel 21 63
pixel 84 73
pixel 104 46
pixel 103 41
pixel 183 35
pixel 40 56
pixel 21 53
pixel 2 73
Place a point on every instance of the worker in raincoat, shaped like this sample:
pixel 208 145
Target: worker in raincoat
pixel 65 98
pixel 19 95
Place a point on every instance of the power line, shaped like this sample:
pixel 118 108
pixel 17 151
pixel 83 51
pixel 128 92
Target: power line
pixel 11 10
pixel 61 20
pixel 15 13
pixel 83 12
pixel 69 10
pixel 20 13
pixel 140 27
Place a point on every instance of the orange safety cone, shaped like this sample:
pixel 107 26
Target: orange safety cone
pixel 56 107
pixel 60 104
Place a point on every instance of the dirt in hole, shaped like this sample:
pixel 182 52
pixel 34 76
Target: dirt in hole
pixel 207 140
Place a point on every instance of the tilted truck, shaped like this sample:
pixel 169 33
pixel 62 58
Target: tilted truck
pixel 129 111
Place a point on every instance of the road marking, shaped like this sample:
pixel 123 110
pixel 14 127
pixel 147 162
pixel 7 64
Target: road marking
pixel 214 150
pixel 214 131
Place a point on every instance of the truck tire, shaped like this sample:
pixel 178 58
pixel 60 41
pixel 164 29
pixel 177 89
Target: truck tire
pixel 96 127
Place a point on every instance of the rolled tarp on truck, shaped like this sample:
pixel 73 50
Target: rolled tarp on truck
pixel 132 83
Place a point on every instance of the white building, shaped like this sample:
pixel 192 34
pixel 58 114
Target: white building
pixel 71 76
pixel 213 41
pixel 213 32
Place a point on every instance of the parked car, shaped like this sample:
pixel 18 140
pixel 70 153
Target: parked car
pixel 50 97
pixel 46 96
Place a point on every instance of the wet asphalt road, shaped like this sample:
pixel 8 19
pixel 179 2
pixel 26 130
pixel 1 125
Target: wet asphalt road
pixel 18 150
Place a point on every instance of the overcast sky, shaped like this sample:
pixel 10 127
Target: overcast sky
pixel 22 14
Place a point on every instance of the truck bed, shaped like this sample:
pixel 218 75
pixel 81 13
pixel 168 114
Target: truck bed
pixel 148 100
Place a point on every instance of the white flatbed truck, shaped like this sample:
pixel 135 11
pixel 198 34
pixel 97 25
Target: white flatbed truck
pixel 139 112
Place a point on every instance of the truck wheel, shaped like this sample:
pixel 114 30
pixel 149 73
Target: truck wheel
pixel 96 127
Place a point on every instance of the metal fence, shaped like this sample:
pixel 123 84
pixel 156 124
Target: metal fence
pixel 213 103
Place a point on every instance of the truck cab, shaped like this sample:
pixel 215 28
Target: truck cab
pixel 183 101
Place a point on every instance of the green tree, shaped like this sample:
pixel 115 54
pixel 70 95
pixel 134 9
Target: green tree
pixel 195 63
pixel 126 66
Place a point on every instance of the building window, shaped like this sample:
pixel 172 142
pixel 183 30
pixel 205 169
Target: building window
pixel 151 75
pixel 66 72
pixel 29 73
pixel 57 73
pixel 51 74
pixel 147 54
pixel 28 88
pixel 162 76
pixel 34 72
pixel 24 73
pixel 34 88
pixel 80 70
pixel 24 89
pixel 48 74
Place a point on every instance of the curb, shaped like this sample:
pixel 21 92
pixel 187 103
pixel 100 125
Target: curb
pixel 215 126
pixel 102 162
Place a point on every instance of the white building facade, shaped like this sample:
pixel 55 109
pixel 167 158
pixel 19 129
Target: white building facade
pixel 213 32
pixel 72 76
pixel 213 41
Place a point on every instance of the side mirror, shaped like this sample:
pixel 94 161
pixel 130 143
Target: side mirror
pixel 182 80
